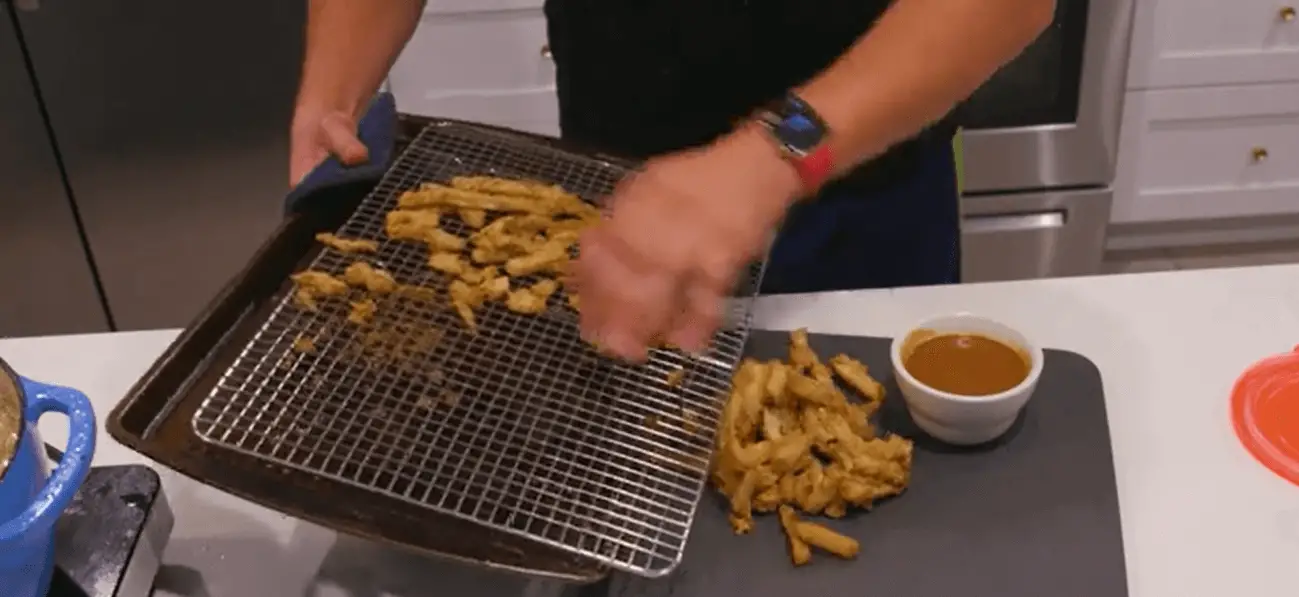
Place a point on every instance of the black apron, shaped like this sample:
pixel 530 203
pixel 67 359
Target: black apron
pixel 640 78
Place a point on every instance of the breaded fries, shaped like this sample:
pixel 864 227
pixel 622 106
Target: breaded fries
pixel 791 440
pixel 312 285
pixel 508 242
pixel 347 245
pixel 365 276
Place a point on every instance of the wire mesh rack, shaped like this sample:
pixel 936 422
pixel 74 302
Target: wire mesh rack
pixel 521 426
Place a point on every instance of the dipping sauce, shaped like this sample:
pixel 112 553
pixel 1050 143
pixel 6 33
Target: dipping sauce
pixel 967 365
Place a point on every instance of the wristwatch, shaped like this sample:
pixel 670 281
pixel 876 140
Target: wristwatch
pixel 800 134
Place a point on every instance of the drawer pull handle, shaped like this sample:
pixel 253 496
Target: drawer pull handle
pixel 1287 14
pixel 1258 154
pixel 545 52
pixel 1036 222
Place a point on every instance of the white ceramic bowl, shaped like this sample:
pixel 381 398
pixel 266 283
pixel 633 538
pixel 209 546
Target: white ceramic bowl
pixel 953 418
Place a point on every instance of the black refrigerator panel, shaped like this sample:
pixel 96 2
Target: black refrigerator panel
pixel 46 285
pixel 172 119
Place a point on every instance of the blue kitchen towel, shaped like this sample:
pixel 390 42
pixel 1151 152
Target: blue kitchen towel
pixel 378 131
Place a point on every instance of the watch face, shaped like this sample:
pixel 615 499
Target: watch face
pixel 796 125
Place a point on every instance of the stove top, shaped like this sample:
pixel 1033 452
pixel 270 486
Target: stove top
pixel 109 542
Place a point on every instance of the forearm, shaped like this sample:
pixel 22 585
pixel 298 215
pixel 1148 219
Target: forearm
pixel 915 65
pixel 351 45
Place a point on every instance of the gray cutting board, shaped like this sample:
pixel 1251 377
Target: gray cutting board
pixel 1034 514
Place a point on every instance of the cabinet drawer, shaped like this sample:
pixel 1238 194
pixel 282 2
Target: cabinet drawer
pixel 1190 154
pixel 1181 43
pixel 497 60
pixel 1033 235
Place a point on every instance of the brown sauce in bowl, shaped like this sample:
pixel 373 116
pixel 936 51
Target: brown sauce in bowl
pixel 967 364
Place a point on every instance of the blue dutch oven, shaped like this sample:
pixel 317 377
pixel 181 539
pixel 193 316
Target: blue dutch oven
pixel 31 498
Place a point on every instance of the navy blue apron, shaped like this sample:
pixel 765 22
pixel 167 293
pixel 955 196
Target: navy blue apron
pixel 645 77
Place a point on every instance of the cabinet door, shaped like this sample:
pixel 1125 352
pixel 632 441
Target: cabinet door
pixel 1203 153
pixel 1183 43
pixel 46 285
pixel 490 67
pixel 172 119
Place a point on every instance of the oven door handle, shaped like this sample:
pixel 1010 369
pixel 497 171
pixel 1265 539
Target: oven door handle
pixel 1013 223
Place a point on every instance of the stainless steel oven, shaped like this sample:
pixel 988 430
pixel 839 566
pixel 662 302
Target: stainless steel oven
pixel 1040 140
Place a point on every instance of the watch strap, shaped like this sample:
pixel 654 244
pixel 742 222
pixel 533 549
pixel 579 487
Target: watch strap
pixel 814 168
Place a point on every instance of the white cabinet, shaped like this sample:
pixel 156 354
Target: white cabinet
pixel 1190 154
pixel 1210 127
pixel 490 66
pixel 1182 43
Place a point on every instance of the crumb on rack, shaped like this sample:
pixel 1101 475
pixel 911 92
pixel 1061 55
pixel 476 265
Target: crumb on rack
pixel 304 345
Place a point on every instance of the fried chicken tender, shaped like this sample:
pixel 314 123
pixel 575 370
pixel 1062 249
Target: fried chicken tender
pixel 543 289
pixel 801 355
pixel 347 245
pixel 441 240
pixel 473 218
pixel 524 302
pixel 436 196
pixel 505 186
pixel 362 311
pixel 799 552
pixel 825 538
pixel 791 440
pixel 447 263
pixel 416 293
pixel 554 198
pixel 495 288
pixel 411 224
pixel 475 276
pixel 464 299
pixel 484 256
pixel 312 285
pixel 547 256
pixel 363 275
pixel 857 376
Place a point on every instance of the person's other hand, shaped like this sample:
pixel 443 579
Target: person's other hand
pixel 663 264
pixel 316 135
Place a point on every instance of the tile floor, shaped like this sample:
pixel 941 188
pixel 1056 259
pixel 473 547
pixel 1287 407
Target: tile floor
pixel 1202 257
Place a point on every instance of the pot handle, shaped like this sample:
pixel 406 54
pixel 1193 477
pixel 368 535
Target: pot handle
pixel 66 479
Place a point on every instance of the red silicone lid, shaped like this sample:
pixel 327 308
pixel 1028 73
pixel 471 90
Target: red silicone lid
pixel 1265 411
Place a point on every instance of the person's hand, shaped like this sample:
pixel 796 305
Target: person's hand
pixel 680 232
pixel 317 134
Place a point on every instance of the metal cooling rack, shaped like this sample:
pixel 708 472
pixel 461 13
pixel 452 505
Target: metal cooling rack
pixel 521 427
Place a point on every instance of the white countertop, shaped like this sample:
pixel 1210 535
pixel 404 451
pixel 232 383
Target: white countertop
pixel 1200 516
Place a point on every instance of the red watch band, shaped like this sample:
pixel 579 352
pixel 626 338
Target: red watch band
pixel 815 168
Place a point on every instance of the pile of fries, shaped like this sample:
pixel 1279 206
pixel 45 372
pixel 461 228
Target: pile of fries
pixel 791 441
pixel 522 235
